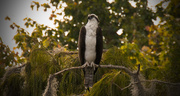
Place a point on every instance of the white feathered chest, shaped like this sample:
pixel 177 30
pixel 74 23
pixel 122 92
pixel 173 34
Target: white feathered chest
pixel 90 41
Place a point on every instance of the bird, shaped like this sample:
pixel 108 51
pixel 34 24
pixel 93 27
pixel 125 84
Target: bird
pixel 90 44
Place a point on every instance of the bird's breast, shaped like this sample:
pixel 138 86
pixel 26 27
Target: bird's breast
pixel 90 42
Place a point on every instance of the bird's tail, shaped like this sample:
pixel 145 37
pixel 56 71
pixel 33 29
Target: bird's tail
pixel 88 80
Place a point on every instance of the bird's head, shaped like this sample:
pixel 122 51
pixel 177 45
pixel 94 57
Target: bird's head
pixel 93 17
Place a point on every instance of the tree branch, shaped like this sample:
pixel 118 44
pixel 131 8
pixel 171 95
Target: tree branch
pixel 51 76
pixel 124 87
pixel 98 66
pixel 138 88
pixel 163 82
pixel 12 70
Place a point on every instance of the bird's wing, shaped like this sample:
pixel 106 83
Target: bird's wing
pixel 81 45
pixel 99 45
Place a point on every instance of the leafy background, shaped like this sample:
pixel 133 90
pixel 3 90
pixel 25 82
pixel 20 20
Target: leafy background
pixel 155 47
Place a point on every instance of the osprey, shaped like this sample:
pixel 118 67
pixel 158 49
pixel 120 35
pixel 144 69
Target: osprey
pixel 90 48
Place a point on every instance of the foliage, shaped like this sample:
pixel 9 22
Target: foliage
pixel 72 81
pixel 113 16
pixel 8 58
pixel 164 41
pixel 127 55
pixel 110 85
pixel 12 86
pixel 155 47
pixel 37 70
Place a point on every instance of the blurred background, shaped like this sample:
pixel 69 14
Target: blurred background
pixel 135 32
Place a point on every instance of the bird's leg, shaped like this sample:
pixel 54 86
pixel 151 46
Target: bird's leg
pixel 93 65
pixel 86 89
pixel 86 64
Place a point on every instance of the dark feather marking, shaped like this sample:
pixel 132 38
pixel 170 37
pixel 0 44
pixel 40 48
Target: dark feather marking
pixel 81 45
pixel 99 47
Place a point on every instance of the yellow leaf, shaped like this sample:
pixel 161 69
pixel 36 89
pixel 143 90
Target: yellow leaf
pixel 46 43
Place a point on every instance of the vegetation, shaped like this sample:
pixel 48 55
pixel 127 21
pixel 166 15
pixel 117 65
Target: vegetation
pixel 49 50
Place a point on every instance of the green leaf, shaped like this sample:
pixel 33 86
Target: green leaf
pixel 46 42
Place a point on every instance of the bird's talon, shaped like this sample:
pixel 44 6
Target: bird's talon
pixel 93 65
pixel 86 64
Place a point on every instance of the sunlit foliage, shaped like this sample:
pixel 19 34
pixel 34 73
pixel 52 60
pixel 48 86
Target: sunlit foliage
pixel 45 50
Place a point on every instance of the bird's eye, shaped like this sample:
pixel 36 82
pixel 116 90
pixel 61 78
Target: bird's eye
pixel 90 17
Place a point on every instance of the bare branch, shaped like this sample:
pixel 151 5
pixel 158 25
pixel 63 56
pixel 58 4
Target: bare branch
pixel 68 69
pixel 138 69
pixel 116 67
pixel 100 66
pixel 51 87
pixel 51 77
pixel 130 84
pixel 163 82
pixel 138 88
